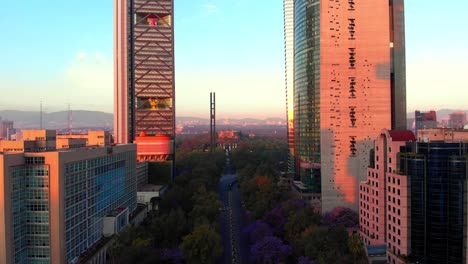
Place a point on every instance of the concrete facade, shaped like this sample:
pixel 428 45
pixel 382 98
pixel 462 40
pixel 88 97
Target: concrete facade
pixel 52 203
pixel 383 208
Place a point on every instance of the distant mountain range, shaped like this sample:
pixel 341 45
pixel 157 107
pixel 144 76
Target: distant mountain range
pixel 95 119
pixel 59 120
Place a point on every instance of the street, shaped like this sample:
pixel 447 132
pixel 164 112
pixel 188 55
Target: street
pixel 232 222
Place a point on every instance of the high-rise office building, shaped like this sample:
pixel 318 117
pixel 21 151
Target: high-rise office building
pixel 413 202
pixel 349 83
pixel 57 204
pixel 289 77
pixel 144 75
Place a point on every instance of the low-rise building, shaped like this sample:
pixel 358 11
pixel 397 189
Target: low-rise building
pixel 54 202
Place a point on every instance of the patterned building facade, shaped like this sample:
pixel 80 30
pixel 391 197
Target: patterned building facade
pixel 349 83
pixel 144 72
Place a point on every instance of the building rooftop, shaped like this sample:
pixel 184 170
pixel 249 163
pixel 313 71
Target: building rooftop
pixel 402 135
pixel 151 188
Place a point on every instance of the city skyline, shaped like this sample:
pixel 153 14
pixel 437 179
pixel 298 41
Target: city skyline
pixel 239 57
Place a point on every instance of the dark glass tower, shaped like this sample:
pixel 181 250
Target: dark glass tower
pixel 437 174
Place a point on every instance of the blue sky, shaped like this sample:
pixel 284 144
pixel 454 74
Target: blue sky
pixel 61 52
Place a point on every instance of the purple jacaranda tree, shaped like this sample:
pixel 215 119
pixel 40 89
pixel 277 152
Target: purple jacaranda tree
pixel 270 249
pixel 304 260
pixel 341 216
pixel 258 230
pixel 174 256
pixel 292 205
pixel 276 220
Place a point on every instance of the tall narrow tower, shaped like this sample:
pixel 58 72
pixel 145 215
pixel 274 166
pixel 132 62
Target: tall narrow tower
pixel 289 78
pixel 212 121
pixel 144 76
pixel 349 84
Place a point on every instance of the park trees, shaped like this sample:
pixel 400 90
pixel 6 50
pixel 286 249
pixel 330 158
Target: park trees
pixel 202 246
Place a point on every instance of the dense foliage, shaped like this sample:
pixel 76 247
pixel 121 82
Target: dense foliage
pixel 284 229
pixel 184 229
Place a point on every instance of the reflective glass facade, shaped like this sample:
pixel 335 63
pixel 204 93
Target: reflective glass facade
pixel 93 188
pixel 437 173
pixel 30 208
pixel 289 77
pixel 307 91
pixel 59 200
pixel 349 83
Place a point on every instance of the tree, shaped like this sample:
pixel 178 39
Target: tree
pixel 173 256
pixel 341 216
pixel 355 246
pixel 206 205
pixel 130 247
pixel 326 245
pixel 202 246
pixel 270 249
pixel 299 220
pixel 276 220
pixel 258 230
pixel 304 260
pixel 167 230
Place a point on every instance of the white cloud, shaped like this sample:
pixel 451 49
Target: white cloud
pixel 211 8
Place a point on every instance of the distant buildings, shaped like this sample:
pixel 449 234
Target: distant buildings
pixel 425 120
pixel 6 128
pixel 144 74
pixel 57 204
pixel 227 136
pixel 349 82
pixel 413 201
pixel 457 120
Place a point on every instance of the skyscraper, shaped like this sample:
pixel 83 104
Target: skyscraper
pixel 349 83
pixel 289 76
pixel 144 73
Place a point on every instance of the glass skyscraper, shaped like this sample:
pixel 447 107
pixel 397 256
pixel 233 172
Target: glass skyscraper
pixel 349 83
